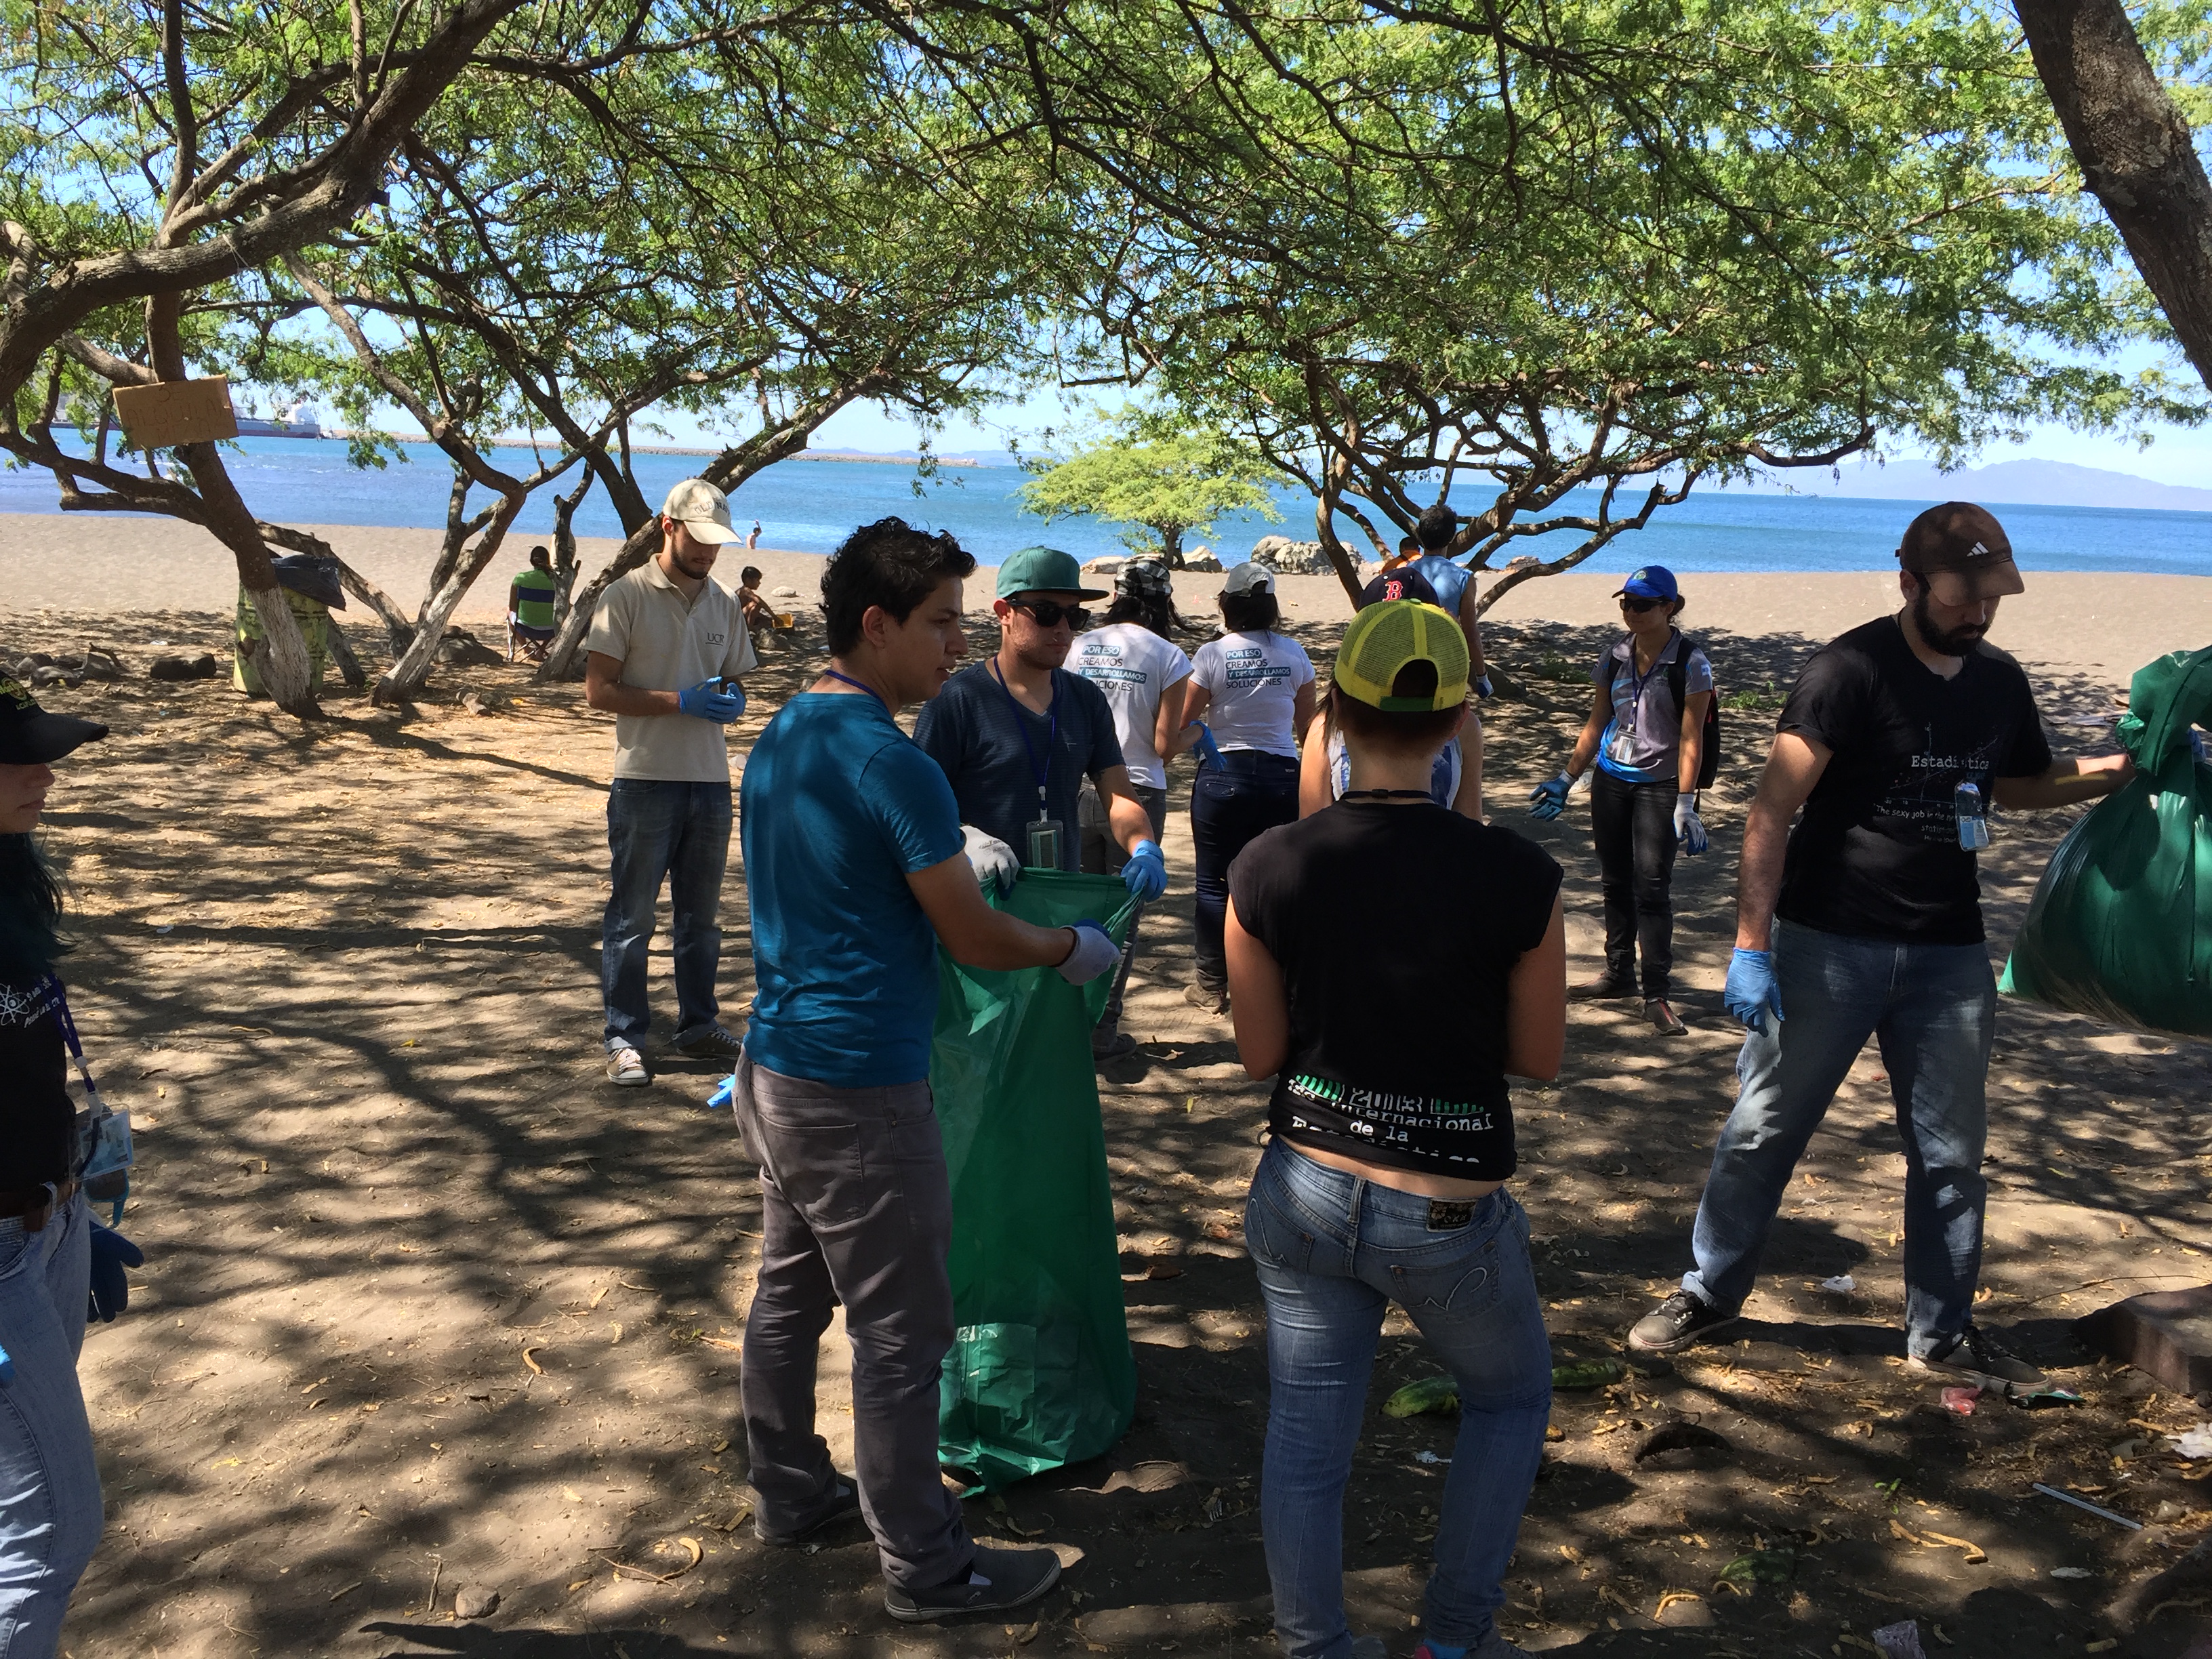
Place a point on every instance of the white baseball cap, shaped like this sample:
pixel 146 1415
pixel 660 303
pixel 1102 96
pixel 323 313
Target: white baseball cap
pixel 1250 577
pixel 702 509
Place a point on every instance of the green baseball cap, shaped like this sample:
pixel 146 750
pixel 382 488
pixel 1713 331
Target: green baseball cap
pixel 1043 570
pixel 1385 639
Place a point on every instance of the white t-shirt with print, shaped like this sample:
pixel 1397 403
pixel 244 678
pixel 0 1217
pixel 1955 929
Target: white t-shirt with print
pixel 1133 665
pixel 1253 680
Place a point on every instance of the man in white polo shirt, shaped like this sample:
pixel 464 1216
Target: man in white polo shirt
pixel 665 648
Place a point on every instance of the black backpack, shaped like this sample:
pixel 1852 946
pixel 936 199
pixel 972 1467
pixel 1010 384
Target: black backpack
pixel 1678 676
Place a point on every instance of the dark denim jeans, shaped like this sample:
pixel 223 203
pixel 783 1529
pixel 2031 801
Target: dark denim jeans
pixel 1100 854
pixel 1334 1251
pixel 658 830
pixel 1933 1009
pixel 1230 807
pixel 1632 827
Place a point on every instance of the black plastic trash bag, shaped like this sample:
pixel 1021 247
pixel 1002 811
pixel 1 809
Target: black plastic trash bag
pixel 2121 926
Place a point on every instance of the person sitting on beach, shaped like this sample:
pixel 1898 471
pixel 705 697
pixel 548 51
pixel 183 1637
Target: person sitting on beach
pixel 1646 731
pixel 1866 921
pixel 759 614
pixel 531 598
pixel 1390 1137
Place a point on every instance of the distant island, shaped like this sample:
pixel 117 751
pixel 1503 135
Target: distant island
pixel 2026 483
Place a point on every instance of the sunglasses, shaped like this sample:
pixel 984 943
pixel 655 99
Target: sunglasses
pixel 1639 606
pixel 1050 613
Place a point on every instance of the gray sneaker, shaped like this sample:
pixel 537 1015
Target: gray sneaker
pixel 1974 1353
pixel 1675 1323
pixel 626 1066
pixel 1002 1579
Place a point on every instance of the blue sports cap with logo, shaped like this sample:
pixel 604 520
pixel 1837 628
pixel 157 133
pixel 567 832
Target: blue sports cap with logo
pixel 1653 581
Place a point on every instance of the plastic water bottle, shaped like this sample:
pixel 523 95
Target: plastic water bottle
pixel 1973 817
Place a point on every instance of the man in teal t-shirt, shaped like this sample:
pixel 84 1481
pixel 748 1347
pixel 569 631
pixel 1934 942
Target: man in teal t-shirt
pixel 855 868
pixel 530 598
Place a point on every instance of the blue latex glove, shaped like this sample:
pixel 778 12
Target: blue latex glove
pixel 1145 874
pixel 708 701
pixel 1689 828
pixel 1209 753
pixel 1751 991
pixel 1095 953
pixel 1482 686
pixel 1549 798
pixel 723 1096
pixel 110 1289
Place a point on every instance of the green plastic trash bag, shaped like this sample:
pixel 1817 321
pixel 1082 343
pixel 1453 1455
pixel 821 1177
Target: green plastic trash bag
pixel 1040 1372
pixel 2121 926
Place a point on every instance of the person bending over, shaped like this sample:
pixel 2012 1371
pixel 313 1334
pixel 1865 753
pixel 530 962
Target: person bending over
pixel 1390 1138
pixel 1866 921
pixel 857 872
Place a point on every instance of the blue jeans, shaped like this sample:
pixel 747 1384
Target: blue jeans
pixel 49 1509
pixel 1334 1251
pixel 1933 1008
pixel 658 829
pixel 1230 807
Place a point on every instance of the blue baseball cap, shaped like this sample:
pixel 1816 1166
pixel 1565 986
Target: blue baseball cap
pixel 1043 570
pixel 1653 581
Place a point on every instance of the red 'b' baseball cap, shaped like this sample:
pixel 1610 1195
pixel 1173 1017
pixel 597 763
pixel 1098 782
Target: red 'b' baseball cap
pixel 1962 553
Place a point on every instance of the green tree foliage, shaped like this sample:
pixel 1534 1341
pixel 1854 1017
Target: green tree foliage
pixel 1161 484
pixel 1561 260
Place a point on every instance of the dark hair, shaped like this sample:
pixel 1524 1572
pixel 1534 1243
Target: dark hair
pixel 749 576
pixel 1409 544
pixel 888 563
pixel 537 553
pixel 1436 527
pixel 1396 733
pixel 30 912
pixel 1152 610
pixel 1250 613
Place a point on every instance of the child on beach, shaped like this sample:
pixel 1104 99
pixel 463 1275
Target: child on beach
pixel 1390 1137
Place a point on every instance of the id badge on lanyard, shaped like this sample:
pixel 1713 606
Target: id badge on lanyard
pixel 1046 835
pixel 103 1134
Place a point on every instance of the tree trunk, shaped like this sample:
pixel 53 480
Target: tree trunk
pixel 388 613
pixel 566 647
pixel 342 653
pixel 564 549
pixel 1340 557
pixel 2135 153
pixel 405 677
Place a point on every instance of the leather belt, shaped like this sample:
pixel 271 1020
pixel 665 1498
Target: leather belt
pixel 34 1205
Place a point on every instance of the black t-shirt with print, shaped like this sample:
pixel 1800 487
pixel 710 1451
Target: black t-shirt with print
pixel 1876 854
pixel 37 1118
pixel 1397 928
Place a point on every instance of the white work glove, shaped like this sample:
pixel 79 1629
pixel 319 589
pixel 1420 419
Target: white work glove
pixel 1689 828
pixel 1093 953
pixel 991 859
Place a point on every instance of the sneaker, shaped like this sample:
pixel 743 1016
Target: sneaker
pixel 712 1043
pixel 1664 1020
pixel 1000 1579
pixel 626 1066
pixel 1677 1322
pixel 1202 996
pixel 1612 987
pixel 1975 1353
pixel 1111 1045
pixel 846 1505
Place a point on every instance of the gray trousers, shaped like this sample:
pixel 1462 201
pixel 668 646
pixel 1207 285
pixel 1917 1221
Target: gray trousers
pixel 1100 854
pixel 855 1207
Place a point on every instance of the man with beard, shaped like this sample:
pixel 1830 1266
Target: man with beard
pixel 1017 735
pixel 1866 921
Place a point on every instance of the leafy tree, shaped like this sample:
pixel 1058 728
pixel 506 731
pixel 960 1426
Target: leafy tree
pixel 1161 485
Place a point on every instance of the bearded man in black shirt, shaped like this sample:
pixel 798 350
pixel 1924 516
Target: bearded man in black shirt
pixel 1866 922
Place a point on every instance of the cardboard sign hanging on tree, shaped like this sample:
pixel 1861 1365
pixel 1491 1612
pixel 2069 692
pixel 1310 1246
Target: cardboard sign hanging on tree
pixel 175 412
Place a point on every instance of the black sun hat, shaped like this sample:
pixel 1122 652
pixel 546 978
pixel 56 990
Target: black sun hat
pixel 30 735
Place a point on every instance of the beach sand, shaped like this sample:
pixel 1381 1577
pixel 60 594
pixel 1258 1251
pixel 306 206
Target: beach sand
pixel 425 1296
pixel 2070 622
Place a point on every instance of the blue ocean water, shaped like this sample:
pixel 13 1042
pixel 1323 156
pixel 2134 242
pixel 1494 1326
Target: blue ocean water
pixel 810 506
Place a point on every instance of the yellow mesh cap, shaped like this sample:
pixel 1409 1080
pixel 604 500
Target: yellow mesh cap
pixel 1384 638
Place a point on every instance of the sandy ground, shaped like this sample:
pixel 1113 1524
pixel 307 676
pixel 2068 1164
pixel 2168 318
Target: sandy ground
pixel 428 1305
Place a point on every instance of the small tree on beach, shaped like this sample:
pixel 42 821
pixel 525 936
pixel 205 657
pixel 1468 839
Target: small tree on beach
pixel 1162 486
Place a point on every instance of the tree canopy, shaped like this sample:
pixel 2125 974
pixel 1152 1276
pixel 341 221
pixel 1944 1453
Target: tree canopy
pixel 1163 484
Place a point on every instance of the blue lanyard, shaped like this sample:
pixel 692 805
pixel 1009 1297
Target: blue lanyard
pixel 1636 709
pixel 832 674
pixel 1052 738
pixel 53 982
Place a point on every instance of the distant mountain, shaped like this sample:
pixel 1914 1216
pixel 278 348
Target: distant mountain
pixel 2020 483
pixel 946 457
